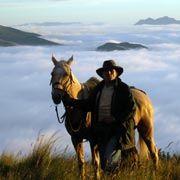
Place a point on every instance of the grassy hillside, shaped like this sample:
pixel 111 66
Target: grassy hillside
pixel 11 37
pixel 44 163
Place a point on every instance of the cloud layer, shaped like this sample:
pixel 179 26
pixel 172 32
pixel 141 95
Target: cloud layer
pixel 26 107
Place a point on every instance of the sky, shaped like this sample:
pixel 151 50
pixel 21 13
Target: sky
pixel 108 11
pixel 26 107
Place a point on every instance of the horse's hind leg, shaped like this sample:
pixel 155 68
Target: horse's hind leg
pixel 147 135
pixel 152 149
pixel 78 145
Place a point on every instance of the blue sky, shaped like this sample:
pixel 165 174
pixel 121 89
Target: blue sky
pixel 108 11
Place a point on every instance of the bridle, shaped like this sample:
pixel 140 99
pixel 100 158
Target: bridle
pixel 64 89
pixel 64 86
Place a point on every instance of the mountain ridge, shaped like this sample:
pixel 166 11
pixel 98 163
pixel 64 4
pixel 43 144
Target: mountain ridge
pixel 159 21
pixel 110 46
pixel 13 37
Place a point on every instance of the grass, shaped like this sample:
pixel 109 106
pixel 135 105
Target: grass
pixel 44 163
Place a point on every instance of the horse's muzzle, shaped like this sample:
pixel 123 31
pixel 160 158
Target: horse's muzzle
pixel 56 95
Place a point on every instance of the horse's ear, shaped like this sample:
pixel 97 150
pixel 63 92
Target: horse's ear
pixel 54 60
pixel 70 60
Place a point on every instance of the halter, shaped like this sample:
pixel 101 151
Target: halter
pixel 65 87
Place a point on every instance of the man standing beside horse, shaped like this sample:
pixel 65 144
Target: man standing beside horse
pixel 113 107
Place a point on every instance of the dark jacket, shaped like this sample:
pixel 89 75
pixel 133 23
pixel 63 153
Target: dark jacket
pixel 122 109
pixel 122 106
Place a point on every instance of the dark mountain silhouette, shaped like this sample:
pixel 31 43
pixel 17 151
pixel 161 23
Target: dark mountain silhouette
pixel 159 21
pixel 119 46
pixel 13 37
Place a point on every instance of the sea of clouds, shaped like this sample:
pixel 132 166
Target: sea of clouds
pixel 26 107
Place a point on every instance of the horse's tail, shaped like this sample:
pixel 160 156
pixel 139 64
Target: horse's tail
pixel 144 154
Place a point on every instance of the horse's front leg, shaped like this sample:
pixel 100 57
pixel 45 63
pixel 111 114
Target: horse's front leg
pixel 78 145
pixel 95 160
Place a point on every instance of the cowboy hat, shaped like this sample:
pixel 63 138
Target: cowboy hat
pixel 107 65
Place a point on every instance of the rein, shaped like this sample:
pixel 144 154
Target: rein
pixel 57 114
pixel 67 115
pixel 73 129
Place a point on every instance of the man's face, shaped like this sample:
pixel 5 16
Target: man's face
pixel 109 75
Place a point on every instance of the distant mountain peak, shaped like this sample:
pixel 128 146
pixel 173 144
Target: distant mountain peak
pixel 165 20
pixel 110 46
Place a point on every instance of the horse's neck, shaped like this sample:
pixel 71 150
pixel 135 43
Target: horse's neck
pixel 75 88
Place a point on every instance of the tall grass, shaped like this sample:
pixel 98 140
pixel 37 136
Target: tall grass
pixel 44 163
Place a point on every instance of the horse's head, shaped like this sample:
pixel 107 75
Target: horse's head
pixel 63 81
pixel 61 78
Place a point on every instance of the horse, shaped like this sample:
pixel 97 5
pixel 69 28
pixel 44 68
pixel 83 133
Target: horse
pixel 77 122
pixel 63 80
pixel 144 116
